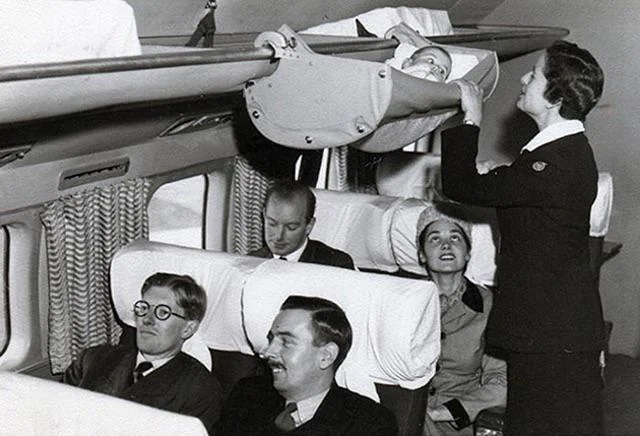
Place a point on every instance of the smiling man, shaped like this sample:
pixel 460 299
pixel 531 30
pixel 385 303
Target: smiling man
pixel 157 373
pixel 308 340
pixel 288 220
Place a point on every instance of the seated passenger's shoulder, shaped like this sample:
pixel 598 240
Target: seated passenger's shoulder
pixel 366 412
pixel 319 252
pixel 355 402
pixel 194 374
pixel 105 351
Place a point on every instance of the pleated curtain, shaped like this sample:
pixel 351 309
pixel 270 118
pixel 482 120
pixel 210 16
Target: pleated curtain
pixel 82 233
pixel 249 191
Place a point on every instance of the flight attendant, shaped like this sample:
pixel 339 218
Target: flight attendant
pixel 547 313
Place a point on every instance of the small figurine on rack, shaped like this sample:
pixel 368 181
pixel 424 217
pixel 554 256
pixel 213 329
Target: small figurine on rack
pixel 206 27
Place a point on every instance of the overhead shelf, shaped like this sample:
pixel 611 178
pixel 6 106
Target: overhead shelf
pixel 170 72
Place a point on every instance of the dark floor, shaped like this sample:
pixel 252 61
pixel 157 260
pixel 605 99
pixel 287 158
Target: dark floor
pixel 622 396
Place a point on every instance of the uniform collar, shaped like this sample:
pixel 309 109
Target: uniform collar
pixel 553 132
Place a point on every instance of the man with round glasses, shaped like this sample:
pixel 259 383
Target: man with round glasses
pixel 156 373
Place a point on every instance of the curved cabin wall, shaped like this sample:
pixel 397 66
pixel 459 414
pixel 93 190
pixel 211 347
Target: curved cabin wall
pixel 66 156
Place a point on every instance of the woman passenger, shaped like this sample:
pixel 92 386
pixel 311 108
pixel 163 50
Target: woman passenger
pixel 547 314
pixel 467 379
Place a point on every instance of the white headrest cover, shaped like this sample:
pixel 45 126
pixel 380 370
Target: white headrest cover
pixel 358 224
pixel 484 235
pixel 395 321
pixel 222 276
pixel 380 232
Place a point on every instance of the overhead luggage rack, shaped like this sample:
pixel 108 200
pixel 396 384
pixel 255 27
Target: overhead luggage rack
pixel 314 101
pixel 507 41
pixel 165 73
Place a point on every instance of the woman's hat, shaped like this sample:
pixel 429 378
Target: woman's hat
pixel 443 211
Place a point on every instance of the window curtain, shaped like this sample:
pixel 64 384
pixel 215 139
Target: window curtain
pixel 249 191
pixel 339 165
pixel 82 233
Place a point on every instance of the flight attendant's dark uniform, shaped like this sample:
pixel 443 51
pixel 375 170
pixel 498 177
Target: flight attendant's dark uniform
pixel 547 313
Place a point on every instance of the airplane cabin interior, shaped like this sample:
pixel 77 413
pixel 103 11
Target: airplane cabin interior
pixel 139 136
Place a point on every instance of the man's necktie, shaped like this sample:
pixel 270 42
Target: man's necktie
pixel 282 258
pixel 284 421
pixel 140 369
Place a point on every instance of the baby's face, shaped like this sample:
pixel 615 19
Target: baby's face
pixel 430 64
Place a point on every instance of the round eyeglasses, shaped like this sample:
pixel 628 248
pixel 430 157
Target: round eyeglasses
pixel 161 311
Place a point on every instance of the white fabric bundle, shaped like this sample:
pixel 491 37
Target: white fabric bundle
pixel 38 31
pixel 377 21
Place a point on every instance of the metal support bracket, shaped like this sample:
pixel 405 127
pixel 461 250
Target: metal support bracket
pixel 283 42
pixel 312 101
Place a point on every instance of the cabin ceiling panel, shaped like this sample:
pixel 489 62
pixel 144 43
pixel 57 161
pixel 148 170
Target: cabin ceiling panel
pixel 472 11
pixel 180 17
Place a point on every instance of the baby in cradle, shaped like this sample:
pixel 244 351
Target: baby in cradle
pixel 430 63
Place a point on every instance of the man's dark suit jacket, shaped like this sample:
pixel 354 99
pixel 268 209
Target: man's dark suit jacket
pixel 316 252
pixel 182 385
pixel 254 404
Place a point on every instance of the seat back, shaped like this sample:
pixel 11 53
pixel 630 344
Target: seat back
pixel 32 405
pixel 222 276
pixel 379 232
pixel 395 320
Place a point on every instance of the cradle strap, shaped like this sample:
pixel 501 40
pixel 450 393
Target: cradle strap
pixel 314 101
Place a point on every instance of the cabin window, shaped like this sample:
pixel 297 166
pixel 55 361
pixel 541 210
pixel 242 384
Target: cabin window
pixel 176 213
pixel 4 306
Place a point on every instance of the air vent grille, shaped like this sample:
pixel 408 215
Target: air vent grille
pixel 94 173
pixel 194 123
